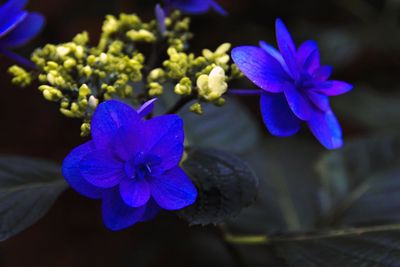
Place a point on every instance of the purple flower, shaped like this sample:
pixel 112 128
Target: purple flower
pixel 295 87
pixel 195 6
pixel 131 164
pixel 18 26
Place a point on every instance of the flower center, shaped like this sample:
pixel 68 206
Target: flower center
pixel 304 82
pixel 142 165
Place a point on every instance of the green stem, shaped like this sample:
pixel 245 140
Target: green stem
pixel 231 248
pixel 247 239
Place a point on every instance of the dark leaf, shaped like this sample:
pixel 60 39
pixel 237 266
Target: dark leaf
pixel 28 188
pixel 374 246
pixel 370 109
pixel 230 127
pixel 288 195
pixel 361 183
pixel 225 185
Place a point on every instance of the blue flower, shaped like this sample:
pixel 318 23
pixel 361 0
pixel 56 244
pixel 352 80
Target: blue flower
pixel 131 164
pixel 295 87
pixel 18 26
pixel 195 6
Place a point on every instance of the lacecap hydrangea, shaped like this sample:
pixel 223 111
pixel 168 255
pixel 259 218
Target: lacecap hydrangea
pixel 295 87
pixel 131 164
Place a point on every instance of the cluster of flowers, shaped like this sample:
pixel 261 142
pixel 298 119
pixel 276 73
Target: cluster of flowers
pixel 132 164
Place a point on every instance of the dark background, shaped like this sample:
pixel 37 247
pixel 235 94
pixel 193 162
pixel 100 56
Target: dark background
pixel 361 39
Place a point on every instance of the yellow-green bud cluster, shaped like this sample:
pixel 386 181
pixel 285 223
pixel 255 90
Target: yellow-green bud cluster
pixel 204 77
pixel 21 76
pixel 127 29
pixel 74 73
pixel 177 31
pixel 79 76
pixel 211 87
pixel 184 87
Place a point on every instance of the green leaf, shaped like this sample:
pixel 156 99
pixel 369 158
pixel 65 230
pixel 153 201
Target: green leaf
pixel 361 182
pixel 289 187
pixel 359 186
pixel 230 127
pixel 374 246
pixel 370 109
pixel 225 185
pixel 28 188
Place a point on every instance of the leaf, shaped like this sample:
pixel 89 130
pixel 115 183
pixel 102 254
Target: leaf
pixel 370 109
pixel 361 183
pixel 374 246
pixel 230 127
pixel 28 188
pixel 359 186
pixel 289 187
pixel 225 185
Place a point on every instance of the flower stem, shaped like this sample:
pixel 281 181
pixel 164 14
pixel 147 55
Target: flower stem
pixel 245 91
pixel 231 248
pixel 246 239
pixel 18 58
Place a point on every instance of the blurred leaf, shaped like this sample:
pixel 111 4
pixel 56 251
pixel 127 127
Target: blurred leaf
pixel 28 188
pixel 361 182
pixel 370 109
pixel 360 186
pixel 230 127
pixel 339 47
pixel 288 195
pixel 225 185
pixel 375 246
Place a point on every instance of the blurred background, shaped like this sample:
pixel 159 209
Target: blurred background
pixel 360 38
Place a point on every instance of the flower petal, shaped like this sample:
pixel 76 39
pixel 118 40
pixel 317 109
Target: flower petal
pixel 333 88
pixel 146 108
pixel 152 210
pixel 116 214
pixel 160 15
pixel 71 172
pixel 24 32
pixel 275 54
pixel 287 47
pixel 11 21
pixel 129 140
pixel 323 73
pixel 190 7
pixel 283 37
pixel 108 117
pixel 11 14
pixel 13 5
pixel 173 190
pixel 260 67
pixel 134 193
pixel 326 129
pixel 319 100
pixel 164 138
pixel 278 118
pixel 102 169
pixel 218 8
pixel 298 103
pixel 312 62
pixel 304 52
